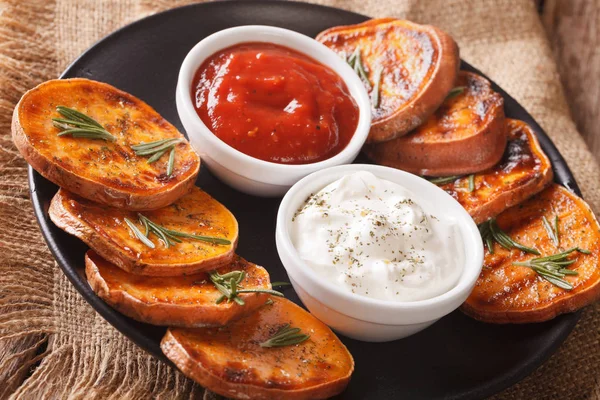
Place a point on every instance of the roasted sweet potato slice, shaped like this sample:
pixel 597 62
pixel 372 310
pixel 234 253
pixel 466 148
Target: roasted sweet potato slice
pixel 187 300
pixel 465 135
pixel 523 171
pixel 507 293
pixel 231 361
pixel 104 171
pixel 418 64
pixel 107 232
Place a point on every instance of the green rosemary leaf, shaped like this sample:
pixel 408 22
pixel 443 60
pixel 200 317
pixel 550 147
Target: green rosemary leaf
pixel 375 95
pixel 444 179
pixel 139 234
pixel 471 183
pixel 79 125
pixel 355 61
pixel 157 149
pixel 153 150
pixel 550 230
pixel 275 284
pixel 156 143
pixel 583 251
pixel 156 156
pixel 556 231
pixel 171 162
pixel 75 115
pixel 209 239
pixel 552 268
pixel 285 336
pixel 171 237
pixel 491 232
pixel 269 291
pixel 455 92
pixel 229 286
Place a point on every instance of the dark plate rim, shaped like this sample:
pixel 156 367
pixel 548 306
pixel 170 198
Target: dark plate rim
pixel 562 172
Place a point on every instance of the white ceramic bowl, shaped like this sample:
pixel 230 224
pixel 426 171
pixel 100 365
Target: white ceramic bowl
pixel 361 317
pixel 245 173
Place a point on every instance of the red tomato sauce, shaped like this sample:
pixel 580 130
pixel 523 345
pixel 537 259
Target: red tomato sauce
pixel 274 103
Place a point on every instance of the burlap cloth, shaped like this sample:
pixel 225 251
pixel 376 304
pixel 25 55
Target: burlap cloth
pixel 53 345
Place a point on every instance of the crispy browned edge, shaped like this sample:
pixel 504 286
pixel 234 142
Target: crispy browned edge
pixel 567 304
pixel 519 194
pixel 110 251
pixel 180 357
pixel 87 188
pixel 169 314
pixel 413 114
pixel 449 158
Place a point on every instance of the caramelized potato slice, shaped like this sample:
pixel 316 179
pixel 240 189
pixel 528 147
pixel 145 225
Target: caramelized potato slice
pixel 466 134
pixel 418 63
pixel 506 293
pixel 186 300
pixel 103 171
pixel 231 362
pixel 523 171
pixel 104 229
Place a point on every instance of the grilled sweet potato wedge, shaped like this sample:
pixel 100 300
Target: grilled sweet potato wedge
pixel 418 64
pixel 507 293
pixel 465 135
pixel 104 171
pixel 231 361
pixel 107 232
pixel 186 300
pixel 523 171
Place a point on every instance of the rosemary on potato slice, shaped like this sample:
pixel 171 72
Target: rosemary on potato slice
pixel 471 181
pixel 286 336
pixel 554 268
pixel 375 95
pixel 169 237
pixel 156 150
pixel 141 236
pixel 552 230
pixel 229 286
pixel 78 125
pixel 491 232
pixel 455 92
pixel 355 61
pixel 444 179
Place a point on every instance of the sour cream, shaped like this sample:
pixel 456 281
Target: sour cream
pixel 372 237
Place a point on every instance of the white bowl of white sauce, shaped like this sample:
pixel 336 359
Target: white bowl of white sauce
pixel 376 253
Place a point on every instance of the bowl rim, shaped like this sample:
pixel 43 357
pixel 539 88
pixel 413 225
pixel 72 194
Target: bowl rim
pixel 304 44
pixel 297 268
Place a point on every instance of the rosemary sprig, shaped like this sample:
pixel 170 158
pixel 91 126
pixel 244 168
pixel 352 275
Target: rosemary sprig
pixel 552 230
pixel 355 61
pixel 286 336
pixel 274 284
pixel 168 236
pixel 375 95
pixel 444 179
pixel 455 92
pixel 141 236
pixel 229 286
pixel 471 181
pixel 78 125
pixel 554 268
pixel 490 232
pixel 156 150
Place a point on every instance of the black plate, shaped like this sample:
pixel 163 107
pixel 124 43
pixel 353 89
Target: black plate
pixel 456 358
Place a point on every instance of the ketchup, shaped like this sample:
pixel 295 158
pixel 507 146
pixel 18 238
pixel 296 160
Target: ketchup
pixel 274 103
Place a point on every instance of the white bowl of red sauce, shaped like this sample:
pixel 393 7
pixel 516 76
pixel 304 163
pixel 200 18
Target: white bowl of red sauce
pixel 266 106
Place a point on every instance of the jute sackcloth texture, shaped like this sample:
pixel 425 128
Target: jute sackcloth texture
pixel 53 345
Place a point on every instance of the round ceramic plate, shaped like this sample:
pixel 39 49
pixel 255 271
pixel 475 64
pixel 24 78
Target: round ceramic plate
pixel 455 358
